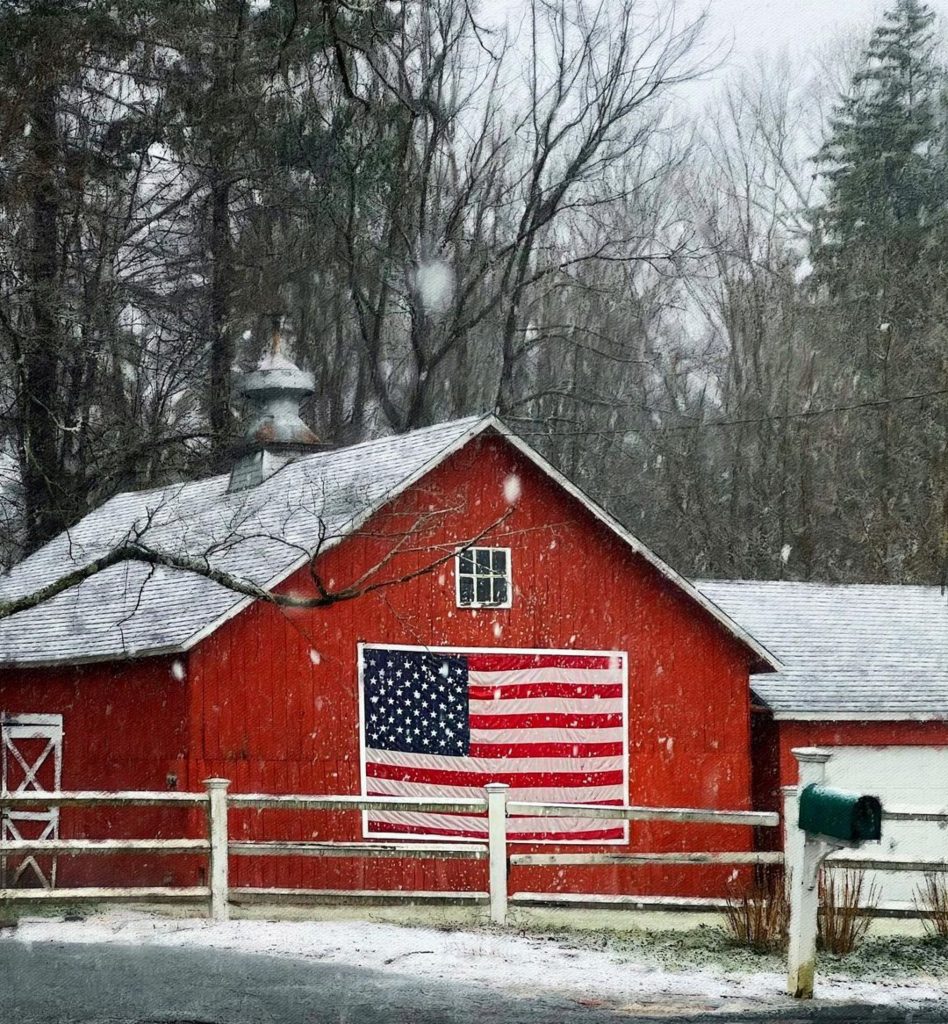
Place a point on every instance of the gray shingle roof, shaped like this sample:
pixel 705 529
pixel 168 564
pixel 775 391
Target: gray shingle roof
pixel 848 650
pixel 132 609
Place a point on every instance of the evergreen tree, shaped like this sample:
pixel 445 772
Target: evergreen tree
pixel 879 255
pixel 883 181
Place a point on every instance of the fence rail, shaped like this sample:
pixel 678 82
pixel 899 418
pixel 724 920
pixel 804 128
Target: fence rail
pixel 95 798
pixel 914 814
pixel 355 803
pixel 94 894
pixel 695 815
pixel 266 848
pixel 216 804
pixel 725 857
pixel 75 847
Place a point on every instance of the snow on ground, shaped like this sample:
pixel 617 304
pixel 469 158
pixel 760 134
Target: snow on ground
pixel 514 963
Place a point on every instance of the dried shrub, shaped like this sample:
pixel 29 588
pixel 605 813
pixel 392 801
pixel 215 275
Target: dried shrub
pixel 931 897
pixel 846 905
pixel 757 915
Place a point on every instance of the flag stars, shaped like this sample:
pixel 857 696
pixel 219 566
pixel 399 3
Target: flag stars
pixel 422 697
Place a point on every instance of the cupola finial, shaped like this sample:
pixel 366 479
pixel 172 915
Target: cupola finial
pixel 275 432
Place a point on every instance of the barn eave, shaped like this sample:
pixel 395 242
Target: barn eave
pixel 827 715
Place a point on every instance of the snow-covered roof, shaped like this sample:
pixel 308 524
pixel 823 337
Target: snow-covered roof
pixel 133 609
pixel 849 651
pixel 261 535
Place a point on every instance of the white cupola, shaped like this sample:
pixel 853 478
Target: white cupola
pixel 275 433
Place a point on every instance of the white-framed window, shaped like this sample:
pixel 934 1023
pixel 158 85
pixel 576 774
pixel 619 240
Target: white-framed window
pixel 483 578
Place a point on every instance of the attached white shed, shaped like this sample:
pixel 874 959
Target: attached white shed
pixel 866 676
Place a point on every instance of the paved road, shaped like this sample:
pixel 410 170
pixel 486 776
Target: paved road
pixel 108 984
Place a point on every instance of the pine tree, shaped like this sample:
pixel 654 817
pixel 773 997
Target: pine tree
pixel 879 257
pixel 880 165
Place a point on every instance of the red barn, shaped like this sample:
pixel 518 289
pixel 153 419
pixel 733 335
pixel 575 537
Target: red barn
pixel 456 542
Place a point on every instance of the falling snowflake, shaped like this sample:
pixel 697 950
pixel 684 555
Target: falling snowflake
pixel 315 657
pixel 512 489
pixel 434 282
pixel 177 669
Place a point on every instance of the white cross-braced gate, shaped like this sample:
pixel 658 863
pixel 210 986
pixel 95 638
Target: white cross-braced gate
pixel 31 753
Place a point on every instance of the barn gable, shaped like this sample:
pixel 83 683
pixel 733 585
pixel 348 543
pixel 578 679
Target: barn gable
pixel 262 535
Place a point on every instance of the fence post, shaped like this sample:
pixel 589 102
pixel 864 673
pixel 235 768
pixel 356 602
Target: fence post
pixel 803 856
pixel 497 849
pixel 792 836
pixel 217 833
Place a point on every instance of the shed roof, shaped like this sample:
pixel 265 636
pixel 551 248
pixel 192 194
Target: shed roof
pixel 850 651
pixel 260 535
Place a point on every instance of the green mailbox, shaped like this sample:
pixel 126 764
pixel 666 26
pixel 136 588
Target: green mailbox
pixel 839 814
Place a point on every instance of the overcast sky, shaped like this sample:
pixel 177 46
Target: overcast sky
pixel 744 31
pixel 766 27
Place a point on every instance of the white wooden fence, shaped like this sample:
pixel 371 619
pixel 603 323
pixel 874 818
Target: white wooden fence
pixel 218 847
pixel 806 854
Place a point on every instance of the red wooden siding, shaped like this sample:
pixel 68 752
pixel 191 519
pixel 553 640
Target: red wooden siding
pixel 124 727
pixel 274 703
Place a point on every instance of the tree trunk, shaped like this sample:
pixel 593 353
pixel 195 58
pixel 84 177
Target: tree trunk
pixel 45 491
pixel 221 337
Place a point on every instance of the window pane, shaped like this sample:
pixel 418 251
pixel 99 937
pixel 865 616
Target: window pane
pixel 482 558
pixel 500 590
pixel 466 590
pixel 500 563
pixel 465 562
pixel 483 590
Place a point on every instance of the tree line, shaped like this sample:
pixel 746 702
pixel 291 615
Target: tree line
pixel 726 326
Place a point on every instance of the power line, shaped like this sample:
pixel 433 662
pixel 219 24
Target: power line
pixel 826 410
pixel 804 414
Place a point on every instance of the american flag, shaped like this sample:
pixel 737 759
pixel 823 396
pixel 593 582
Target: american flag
pixel 443 723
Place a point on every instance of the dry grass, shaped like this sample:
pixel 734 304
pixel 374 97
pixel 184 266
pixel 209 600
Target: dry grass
pixel 845 906
pixel 932 898
pixel 757 915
